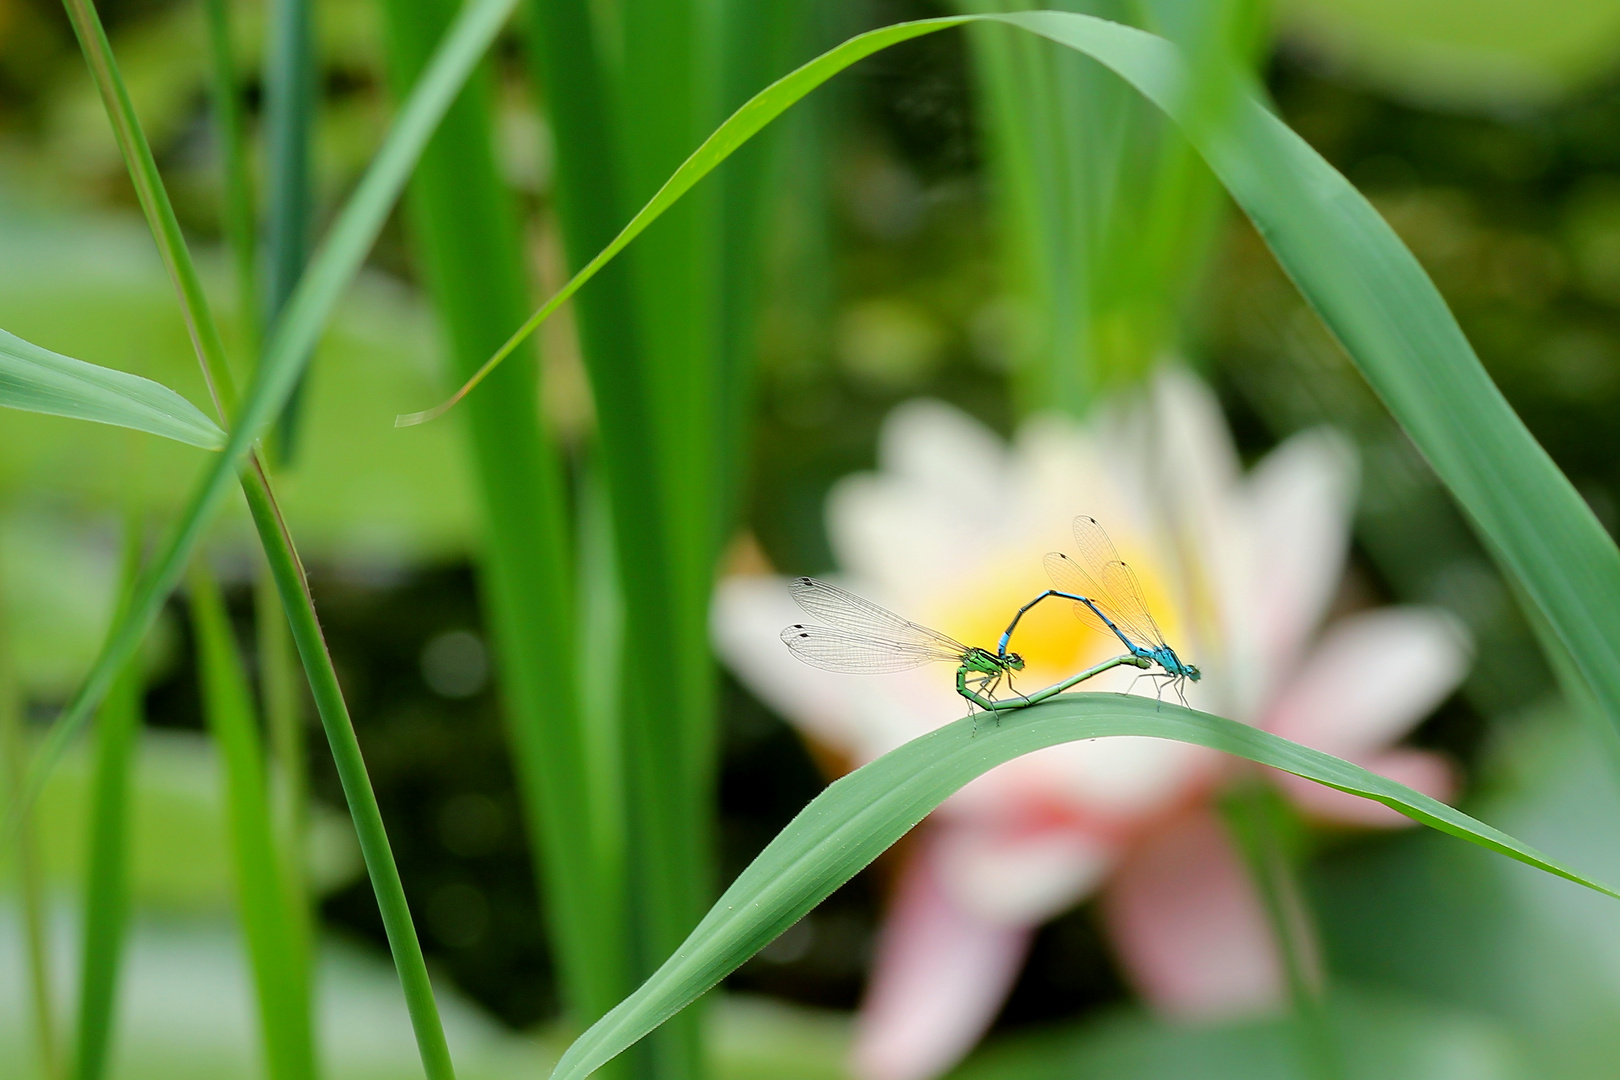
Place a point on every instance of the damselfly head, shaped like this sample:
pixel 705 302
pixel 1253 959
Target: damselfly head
pixel 1014 661
pixel 1193 673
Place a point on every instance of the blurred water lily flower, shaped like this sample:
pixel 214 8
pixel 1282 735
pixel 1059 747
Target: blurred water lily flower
pixel 1239 570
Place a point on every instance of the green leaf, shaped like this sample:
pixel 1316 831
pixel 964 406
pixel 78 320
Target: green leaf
pixel 856 818
pixel 38 380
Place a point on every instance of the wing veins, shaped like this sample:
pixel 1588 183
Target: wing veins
pixel 846 611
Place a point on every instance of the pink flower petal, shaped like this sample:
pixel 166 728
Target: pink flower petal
pixel 1188 927
pixel 1419 769
pixel 1371 680
pixel 939 978
pixel 1020 876
pixel 1302 495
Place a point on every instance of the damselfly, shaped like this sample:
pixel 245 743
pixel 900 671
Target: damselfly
pixel 864 639
pixel 1107 597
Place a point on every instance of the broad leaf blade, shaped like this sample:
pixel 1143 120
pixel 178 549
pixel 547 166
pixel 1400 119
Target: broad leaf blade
pixel 35 379
pixel 859 816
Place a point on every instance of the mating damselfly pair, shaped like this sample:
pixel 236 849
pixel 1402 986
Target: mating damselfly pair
pixel 861 638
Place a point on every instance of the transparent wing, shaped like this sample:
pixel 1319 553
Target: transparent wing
pixel 1117 591
pixel 864 619
pixel 855 654
pixel 1069 577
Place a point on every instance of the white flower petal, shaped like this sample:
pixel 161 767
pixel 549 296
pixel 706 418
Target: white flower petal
pixel 939 446
pixel 1021 876
pixel 1371 680
pixel 931 514
pixel 1301 498
pixel 1211 535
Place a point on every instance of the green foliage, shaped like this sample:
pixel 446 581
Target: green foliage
pixel 179 857
pixel 332 269
pixel 91 285
pixel 467 240
pixel 1452 925
pixel 107 892
pixel 38 380
pixel 859 816
pixel 275 377
pixel 1385 1037
pixel 667 342
pixel 289 88
pixel 272 911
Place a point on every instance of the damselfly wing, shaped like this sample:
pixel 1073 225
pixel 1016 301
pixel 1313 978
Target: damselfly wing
pixel 1108 581
pixel 860 637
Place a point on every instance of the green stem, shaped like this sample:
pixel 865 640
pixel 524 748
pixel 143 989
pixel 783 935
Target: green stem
pixel 293 586
pixel 106 915
pixel 225 92
pixel 289 84
pixel 1255 817
pixel 284 720
pixel 30 883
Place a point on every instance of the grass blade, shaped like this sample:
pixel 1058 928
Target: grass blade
pixel 663 824
pixel 106 909
pixel 1256 817
pixel 859 816
pixel 267 903
pixel 293 587
pixel 35 379
pixel 151 194
pixel 466 239
pixel 289 108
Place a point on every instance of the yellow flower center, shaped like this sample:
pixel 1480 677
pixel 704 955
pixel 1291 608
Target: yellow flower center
pixel 1053 641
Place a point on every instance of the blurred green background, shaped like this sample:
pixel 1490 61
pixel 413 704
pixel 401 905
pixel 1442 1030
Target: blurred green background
pixel 1487 133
